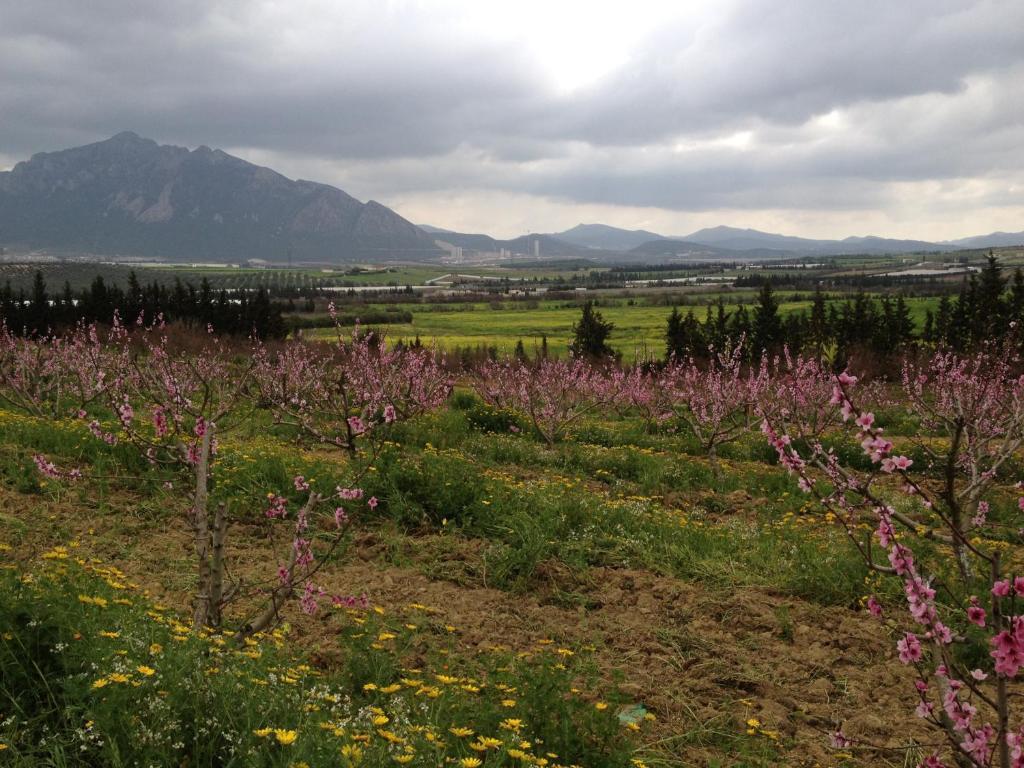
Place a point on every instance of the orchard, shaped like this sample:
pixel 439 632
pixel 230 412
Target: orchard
pixel 552 466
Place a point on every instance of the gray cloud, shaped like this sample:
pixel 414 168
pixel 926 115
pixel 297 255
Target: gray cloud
pixel 742 106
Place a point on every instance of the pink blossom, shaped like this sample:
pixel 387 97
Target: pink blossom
pixel 278 507
pixel 1001 588
pixel 1008 648
pixel 838 740
pixel 975 613
pixel 159 421
pixel 865 420
pixel 372 502
pixel 909 648
pixel 874 607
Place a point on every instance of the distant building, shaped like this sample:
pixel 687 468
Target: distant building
pixel 536 248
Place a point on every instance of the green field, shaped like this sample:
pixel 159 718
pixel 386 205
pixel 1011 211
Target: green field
pixel 638 328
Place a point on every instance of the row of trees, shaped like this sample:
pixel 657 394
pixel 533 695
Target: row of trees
pixel 935 520
pixel 987 308
pixel 240 312
pixel 174 399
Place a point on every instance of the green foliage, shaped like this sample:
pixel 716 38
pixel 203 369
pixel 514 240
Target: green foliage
pixel 92 673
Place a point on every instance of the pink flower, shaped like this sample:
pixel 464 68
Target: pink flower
pixel 975 613
pixel 1001 588
pixel 340 517
pixel 1008 648
pixel 909 648
pixel 979 518
pixel 1018 586
pixel 838 740
pixel 300 483
pixel 389 413
pixel 874 607
pixel 159 422
pixel 372 502
pixel 865 420
pixel 278 507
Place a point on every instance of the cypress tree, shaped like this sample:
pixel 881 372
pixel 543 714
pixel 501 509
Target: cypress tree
pixel 590 334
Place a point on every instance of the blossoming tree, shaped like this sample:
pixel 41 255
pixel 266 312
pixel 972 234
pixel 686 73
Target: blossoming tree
pixel 934 528
pixel 552 393
pixel 339 393
pixel 715 399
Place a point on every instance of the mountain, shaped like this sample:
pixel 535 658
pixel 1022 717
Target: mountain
pixel 752 239
pixel 131 196
pixel 672 250
pixel 550 246
pixel 993 240
pixel 603 237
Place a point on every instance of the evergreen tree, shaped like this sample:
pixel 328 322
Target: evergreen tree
pixel 720 333
pixel 991 308
pixel 1015 304
pixel 590 334
pixel 39 317
pixel 741 324
pixel 675 336
pixel 943 322
pixel 818 326
pixel 928 334
pixel 767 326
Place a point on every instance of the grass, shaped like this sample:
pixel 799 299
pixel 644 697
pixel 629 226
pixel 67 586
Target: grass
pixel 639 328
pixel 463 502
pixel 81 647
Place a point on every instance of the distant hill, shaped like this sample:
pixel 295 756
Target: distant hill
pixel 523 245
pixel 993 240
pixel 672 250
pixel 603 237
pixel 752 239
pixel 131 196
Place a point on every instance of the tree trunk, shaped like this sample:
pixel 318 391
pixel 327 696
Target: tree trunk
pixel 201 531
pixel 219 532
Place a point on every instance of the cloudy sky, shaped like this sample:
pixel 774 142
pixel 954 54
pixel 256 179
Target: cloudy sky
pixel 812 117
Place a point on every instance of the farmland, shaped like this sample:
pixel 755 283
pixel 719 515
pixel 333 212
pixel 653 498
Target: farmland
pixel 639 326
pixel 554 563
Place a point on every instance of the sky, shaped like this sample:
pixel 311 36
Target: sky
pixel 821 118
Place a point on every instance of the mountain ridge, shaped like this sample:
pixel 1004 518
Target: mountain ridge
pixel 129 195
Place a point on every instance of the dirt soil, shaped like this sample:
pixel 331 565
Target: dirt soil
pixel 703 661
